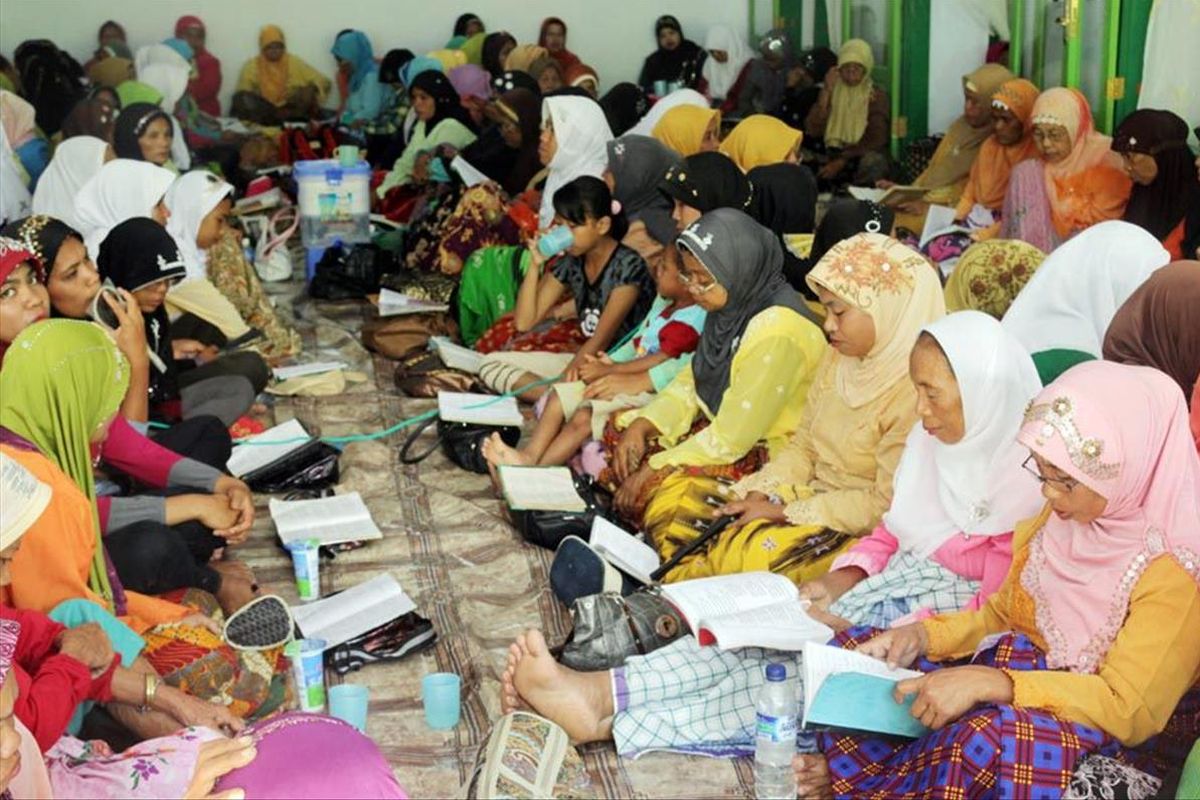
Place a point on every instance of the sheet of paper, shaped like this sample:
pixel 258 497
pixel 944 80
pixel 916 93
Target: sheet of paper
pixel 540 489
pixel 353 612
pixel 263 448
pixel 330 520
pixel 455 356
pixel 315 368
pixel 866 193
pixel 782 626
pixel 709 598
pixel 623 550
pixel 469 174
pixel 822 661
pixel 939 220
pixel 393 304
pixel 480 409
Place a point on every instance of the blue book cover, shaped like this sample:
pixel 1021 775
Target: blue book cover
pixel 846 689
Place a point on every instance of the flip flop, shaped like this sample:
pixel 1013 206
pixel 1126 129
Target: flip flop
pixel 391 641
pixel 261 624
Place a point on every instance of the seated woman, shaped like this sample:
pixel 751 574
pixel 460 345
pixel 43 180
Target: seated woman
pixel 583 77
pixel 785 202
pixel 636 166
pixel 689 129
pixel 143 133
pixel 1063 312
pixel 804 84
pixel 832 481
pixel 441 120
pixel 496 47
pixel 762 91
pixel 1158 326
pixel 609 283
pixel 1010 143
pixel 1165 199
pixel 705 182
pixel 205 85
pixel 759 140
pixel 167 69
pixel 75 162
pixel 677 61
pixel 548 73
pixel 628 377
pixel 944 544
pixel 991 274
pixel 1075 182
pixel 851 120
pixel 728 58
pixel 368 102
pixel 199 204
pixel 62 381
pixel 553 37
pixel 29 146
pixel 123 188
pixel 142 258
pixel 283 80
pixel 1098 623
pixel 699 425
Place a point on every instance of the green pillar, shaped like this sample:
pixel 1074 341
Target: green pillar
pixel 847 21
pixel 820 24
pixel 1072 21
pixel 1016 37
pixel 895 46
pixel 913 119
pixel 1131 48
pixel 1108 89
pixel 1039 43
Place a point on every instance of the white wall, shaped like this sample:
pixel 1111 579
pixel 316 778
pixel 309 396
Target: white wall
pixel 611 35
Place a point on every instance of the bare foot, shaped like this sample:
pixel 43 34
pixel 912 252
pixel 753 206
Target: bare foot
pixel 237 585
pixel 233 568
pixel 812 777
pixel 497 452
pixel 510 700
pixel 581 702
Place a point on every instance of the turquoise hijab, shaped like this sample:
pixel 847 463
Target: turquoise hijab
pixel 355 47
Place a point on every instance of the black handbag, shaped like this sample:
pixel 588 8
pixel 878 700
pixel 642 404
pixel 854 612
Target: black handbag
pixel 313 466
pixel 460 441
pixel 548 528
pixel 351 274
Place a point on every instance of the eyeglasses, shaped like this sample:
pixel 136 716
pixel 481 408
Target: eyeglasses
pixel 1064 485
pixel 693 284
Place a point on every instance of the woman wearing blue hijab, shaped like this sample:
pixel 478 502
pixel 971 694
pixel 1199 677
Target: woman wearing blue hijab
pixel 368 99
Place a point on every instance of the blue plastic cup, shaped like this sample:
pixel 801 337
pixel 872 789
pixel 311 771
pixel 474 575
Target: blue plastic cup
pixel 349 702
pixel 555 241
pixel 306 563
pixel 660 88
pixel 308 672
pixel 441 693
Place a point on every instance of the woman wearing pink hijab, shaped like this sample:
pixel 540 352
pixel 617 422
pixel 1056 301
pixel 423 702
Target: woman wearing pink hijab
pixel 1092 645
pixel 206 84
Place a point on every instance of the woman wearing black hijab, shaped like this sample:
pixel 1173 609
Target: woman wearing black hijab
pixel 785 201
pixel 844 218
pixel 706 181
pixel 132 124
pixel 677 60
pixel 467 25
pixel 624 105
pixel 496 47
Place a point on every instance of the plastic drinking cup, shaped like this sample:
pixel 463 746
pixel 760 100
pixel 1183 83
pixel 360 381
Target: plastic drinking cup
pixel 347 155
pixel 441 694
pixel 660 88
pixel 349 702
pixel 308 672
pixel 555 241
pixel 306 562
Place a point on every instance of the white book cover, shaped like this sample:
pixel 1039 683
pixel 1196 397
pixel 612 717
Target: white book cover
pixel 329 520
pixel 479 409
pixel 623 550
pixel 540 489
pixel 263 448
pixel 355 611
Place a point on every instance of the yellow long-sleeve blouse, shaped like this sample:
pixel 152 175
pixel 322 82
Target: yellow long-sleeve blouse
pixel 768 380
pixel 1153 661
pixel 837 468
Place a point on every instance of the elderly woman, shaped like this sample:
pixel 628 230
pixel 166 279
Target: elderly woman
pixel 205 83
pixel 852 117
pixel 282 79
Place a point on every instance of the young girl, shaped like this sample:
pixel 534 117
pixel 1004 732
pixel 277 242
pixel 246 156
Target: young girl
pixel 661 347
pixel 609 283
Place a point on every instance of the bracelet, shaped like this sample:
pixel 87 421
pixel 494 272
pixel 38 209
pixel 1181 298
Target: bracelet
pixel 149 690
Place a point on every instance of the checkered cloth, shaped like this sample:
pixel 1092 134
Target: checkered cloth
pixel 908 583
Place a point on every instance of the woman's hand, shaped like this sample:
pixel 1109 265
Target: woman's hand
pixel 215 512
pixel 183 349
pixel 88 644
pixel 631 449
pixel 536 259
pixel 628 497
pixel 192 711
pixel 945 695
pixel 899 647
pixel 754 506
pixel 609 386
pixel 130 334
pixel 832 78
pixel 594 367
pixel 832 169
pixel 823 591
pixel 884 183
pixel 241 500
pixel 215 760
pixel 571 373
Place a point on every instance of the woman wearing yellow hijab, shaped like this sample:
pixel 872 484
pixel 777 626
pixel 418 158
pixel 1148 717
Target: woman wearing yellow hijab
pixel 759 140
pixel 281 78
pixel 689 129
pixel 852 115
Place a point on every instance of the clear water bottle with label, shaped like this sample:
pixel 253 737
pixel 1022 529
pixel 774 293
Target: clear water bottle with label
pixel 775 737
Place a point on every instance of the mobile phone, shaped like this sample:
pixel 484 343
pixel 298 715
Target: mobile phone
pixel 101 311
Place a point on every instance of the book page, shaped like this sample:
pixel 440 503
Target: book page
pixel 540 489
pixel 455 356
pixel 330 520
pixel 710 598
pixel 939 220
pixel 479 409
pixel 339 618
pixel 469 174
pixel 783 626
pixel 260 450
pixel 392 304
pixel 623 550
pixel 300 370
pixel 822 660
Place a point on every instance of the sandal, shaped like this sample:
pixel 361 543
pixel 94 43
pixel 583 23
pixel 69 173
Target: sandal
pixel 391 641
pixel 261 624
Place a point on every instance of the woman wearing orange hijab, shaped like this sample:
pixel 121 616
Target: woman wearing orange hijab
pixel 1075 182
pixel 1011 143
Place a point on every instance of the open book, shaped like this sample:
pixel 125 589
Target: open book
pixel 939 220
pixel 540 489
pixel 330 520
pixel 846 689
pixel 623 550
pixel 267 447
pixel 893 195
pixel 314 368
pixel 455 356
pixel 355 611
pixel 751 609
pixel 479 409
pixel 394 304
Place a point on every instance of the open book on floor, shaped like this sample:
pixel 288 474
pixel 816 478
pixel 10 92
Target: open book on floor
pixel 539 488
pixel 330 520
pixel 752 609
pixel 846 689
pixel 347 614
pixel 260 452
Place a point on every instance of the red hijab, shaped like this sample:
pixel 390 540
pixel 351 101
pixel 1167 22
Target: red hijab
pixel 564 57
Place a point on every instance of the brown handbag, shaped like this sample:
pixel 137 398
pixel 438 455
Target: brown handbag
pixel 395 337
pixel 421 373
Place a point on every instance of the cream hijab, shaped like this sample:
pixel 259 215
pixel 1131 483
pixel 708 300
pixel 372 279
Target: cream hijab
pixel 582 135
pixel 190 199
pixel 123 188
pixel 75 162
pixel 849 105
pixel 975 486
pixel 902 293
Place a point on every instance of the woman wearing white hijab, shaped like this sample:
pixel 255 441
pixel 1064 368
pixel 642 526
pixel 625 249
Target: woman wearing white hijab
pixel 190 199
pixel 164 69
pixel 722 75
pixel 679 97
pixel 122 189
pixel 75 162
pixel 1064 311
pixel 578 132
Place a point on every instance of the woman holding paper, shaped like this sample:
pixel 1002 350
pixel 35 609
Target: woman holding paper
pixel 1092 645
pixel 944 544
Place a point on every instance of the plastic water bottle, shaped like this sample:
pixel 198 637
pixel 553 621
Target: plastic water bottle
pixel 247 250
pixel 775 737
